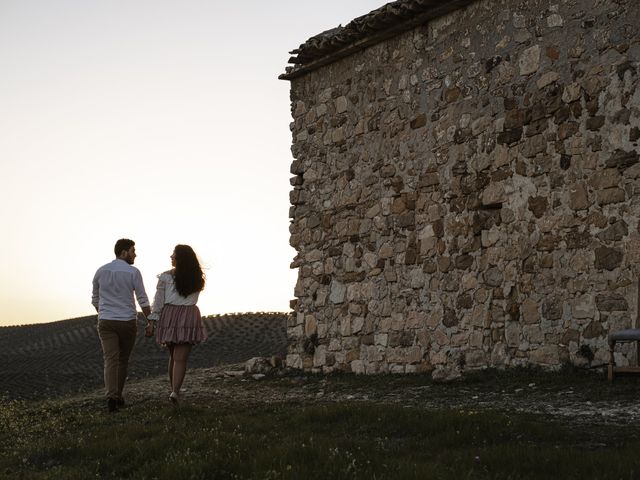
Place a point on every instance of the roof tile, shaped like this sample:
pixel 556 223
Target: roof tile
pixel 378 25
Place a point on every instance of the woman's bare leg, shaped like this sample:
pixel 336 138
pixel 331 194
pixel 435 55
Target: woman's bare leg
pixel 180 357
pixel 170 367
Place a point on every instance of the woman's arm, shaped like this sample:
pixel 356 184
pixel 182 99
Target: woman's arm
pixel 156 309
pixel 159 299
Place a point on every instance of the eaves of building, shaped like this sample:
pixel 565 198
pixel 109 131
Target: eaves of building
pixel 381 24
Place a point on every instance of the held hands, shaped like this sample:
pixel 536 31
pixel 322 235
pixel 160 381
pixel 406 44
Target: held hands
pixel 148 331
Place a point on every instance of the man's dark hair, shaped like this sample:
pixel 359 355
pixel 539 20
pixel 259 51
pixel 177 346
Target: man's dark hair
pixel 123 244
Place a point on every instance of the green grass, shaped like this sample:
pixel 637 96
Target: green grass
pixel 76 439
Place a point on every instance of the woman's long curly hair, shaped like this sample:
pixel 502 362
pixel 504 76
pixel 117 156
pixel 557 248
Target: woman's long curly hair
pixel 188 274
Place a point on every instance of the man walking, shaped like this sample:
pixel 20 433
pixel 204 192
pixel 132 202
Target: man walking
pixel 114 286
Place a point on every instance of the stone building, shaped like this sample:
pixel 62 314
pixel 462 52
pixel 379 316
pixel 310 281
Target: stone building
pixel 466 186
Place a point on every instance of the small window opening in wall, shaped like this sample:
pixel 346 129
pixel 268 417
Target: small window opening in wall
pixel 491 206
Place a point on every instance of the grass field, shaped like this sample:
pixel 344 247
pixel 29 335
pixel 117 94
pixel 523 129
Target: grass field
pixel 312 427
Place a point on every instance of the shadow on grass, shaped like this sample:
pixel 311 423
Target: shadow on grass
pixel 76 439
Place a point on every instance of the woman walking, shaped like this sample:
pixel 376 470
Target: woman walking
pixel 178 317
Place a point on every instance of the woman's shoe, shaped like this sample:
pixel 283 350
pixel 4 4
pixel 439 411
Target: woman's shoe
pixel 174 398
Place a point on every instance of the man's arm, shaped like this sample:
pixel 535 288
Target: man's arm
pixel 141 294
pixel 95 297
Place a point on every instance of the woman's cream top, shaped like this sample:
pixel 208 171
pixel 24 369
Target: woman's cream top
pixel 166 293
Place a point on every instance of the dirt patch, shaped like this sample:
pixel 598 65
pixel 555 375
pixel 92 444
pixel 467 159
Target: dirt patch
pixel 576 397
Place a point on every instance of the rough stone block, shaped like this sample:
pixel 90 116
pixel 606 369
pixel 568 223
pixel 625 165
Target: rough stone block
pixel 547 78
pixel 583 307
pixel 578 197
pixel 611 302
pixel 338 292
pixel 529 60
pixel 545 355
pixel 622 159
pixel 608 258
pixel 493 194
pixel 493 277
pixel 341 104
pixel 529 310
pixel 418 121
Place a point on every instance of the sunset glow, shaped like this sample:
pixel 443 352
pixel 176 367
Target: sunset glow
pixel 163 122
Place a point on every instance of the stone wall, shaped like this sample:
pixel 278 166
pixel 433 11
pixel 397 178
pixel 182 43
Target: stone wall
pixel 466 193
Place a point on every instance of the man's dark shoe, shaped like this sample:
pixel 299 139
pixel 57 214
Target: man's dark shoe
pixel 120 402
pixel 112 404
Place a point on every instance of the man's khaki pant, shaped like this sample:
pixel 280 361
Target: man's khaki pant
pixel 117 338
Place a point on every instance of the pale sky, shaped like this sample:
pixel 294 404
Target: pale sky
pixel 160 121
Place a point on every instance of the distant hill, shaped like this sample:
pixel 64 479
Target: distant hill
pixel 51 359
